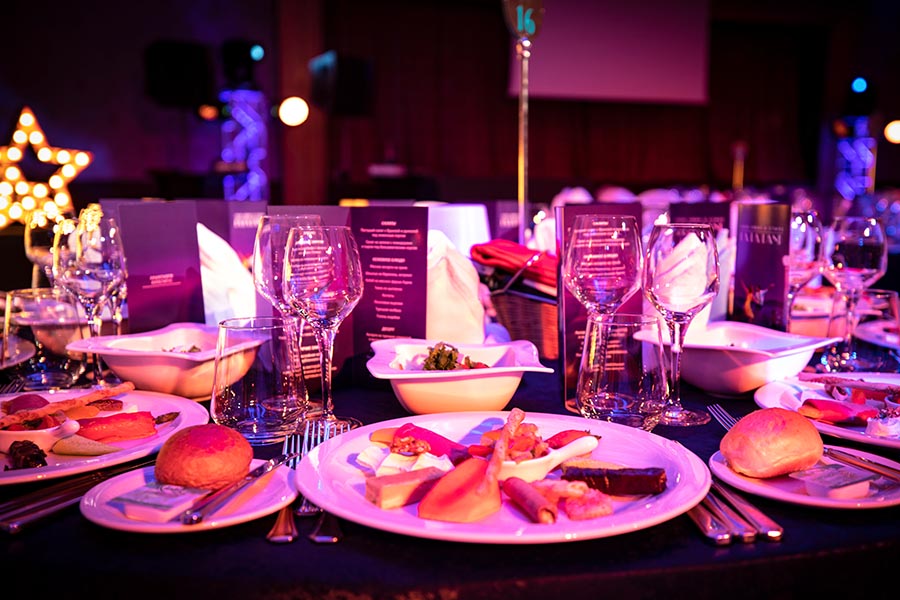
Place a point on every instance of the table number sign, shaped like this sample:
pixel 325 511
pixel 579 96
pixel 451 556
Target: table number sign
pixel 762 241
pixel 714 214
pixel 573 314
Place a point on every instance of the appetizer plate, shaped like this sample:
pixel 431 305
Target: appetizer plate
pixel 17 351
pixel 261 498
pixel 58 465
pixel 881 333
pixel 882 492
pixel 461 390
pixel 787 394
pixel 331 478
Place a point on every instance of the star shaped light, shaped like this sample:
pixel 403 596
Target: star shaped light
pixel 21 198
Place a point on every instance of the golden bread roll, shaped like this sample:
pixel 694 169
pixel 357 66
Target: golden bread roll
pixel 203 456
pixel 771 442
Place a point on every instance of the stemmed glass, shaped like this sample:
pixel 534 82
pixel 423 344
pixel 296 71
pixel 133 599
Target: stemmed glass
pixel 268 271
pixel 856 256
pixel 681 276
pixel 602 265
pixel 602 269
pixel 89 262
pixel 39 232
pixel 323 281
pixel 805 259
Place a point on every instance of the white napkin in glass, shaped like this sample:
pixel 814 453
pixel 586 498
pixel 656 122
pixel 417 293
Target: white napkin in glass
pixel 228 289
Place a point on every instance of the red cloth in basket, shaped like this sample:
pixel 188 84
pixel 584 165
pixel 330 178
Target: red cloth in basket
pixel 511 256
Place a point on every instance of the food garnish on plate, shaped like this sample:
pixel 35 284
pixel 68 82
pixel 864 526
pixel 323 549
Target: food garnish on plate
pixel 463 484
pixel 445 357
pixel 853 401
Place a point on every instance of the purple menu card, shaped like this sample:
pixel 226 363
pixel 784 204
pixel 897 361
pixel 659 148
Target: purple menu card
pixel 762 242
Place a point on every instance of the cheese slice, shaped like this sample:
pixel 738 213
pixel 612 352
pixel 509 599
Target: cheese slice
pixel 400 489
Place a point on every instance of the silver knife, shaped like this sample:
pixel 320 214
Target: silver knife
pixel 765 526
pixel 740 529
pixel 208 505
pixel 710 525
pixel 863 463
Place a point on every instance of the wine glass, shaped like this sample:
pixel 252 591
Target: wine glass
pixel 268 270
pixel 89 262
pixel 119 294
pixel 39 232
pixel 805 259
pixel 323 281
pixel 602 266
pixel 681 276
pixel 856 256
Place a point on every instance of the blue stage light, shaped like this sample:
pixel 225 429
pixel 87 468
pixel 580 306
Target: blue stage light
pixel 257 52
pixel 859 85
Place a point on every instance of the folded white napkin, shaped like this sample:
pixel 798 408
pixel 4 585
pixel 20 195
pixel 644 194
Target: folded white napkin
pixel 228 289
pixel 454 312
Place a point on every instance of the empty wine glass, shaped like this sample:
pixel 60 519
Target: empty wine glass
pixel 38 236
pixel 323 281
pixel 856 256
pixel 89 262
pixel 602 266
pixel 268 271
pixel 681 276
pixel 805 260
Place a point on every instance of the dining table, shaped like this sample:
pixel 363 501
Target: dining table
pixel 824 552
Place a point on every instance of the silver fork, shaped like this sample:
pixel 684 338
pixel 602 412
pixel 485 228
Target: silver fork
pixel 284 530
pixel 770 530
pixel 722 416
pixel 316 432
pixel 327 529
pixel 13 386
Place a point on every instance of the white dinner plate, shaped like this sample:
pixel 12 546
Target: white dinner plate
pixel 786 394
pixel 190 413
pixel 882 491
pixel 263 497
pixel 330 477
pixel 881 333
pixel 18 351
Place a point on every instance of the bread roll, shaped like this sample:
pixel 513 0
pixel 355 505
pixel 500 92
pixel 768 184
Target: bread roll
pixel 771 442
pixel 203 456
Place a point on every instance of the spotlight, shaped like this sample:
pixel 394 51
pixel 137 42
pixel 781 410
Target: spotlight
pixel 859 85
pixel 892 132
pixel 293 111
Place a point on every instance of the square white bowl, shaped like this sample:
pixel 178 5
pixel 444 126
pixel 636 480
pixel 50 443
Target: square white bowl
pixel 423 392
pixel 160 360
pixel 729 358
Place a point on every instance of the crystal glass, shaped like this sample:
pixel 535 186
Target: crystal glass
pixel 856 256
pixel 268 270
pixel 38 237
pixel 681 277
pixel 323 281
pixel 805 260
pixel 602 265
pixel 88 261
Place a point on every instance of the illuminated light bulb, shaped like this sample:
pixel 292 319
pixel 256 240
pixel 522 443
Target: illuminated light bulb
pixel 22 188
pixel 208 112
pixel 4 202
pixel 40 190
pixel 50 210
pixel 44 154
pixel 26 119
pixel 3 220
pixel 14 154
pixel 68 171
pixel 36 138
pixel 15 211
pixel 82 159
pixel 61 199
pixel 6 188
pixel 20 137
pixel 55 182
pixel 63 156
pixel 12 173
pixel 28 203
pixel 293 111
pixel 892 132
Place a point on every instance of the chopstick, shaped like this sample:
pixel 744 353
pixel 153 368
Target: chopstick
pixel 20 512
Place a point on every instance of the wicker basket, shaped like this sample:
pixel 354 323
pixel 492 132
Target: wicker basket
pixel 529 318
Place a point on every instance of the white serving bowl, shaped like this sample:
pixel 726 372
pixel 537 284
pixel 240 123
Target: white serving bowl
pixel 423 392
pixel 159 360
pixel 729 358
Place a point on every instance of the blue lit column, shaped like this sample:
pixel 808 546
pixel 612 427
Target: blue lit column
pixel 244 143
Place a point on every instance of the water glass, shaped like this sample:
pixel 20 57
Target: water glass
pixel 256 386
pixel 622 377
pixel 875 343
pixel 50 319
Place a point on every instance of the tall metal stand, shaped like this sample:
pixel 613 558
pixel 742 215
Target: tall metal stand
pixel 523 51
